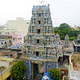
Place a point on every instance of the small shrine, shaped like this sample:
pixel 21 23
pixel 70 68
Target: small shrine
pixel 67 41
pixel 76 44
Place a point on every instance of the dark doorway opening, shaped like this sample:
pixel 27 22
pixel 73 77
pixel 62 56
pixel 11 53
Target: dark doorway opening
pixel 66 59
pixel 35 70
pixel 78 49
pixel 37 53
pixel 37 40
pixel 38 30
pixel 39 22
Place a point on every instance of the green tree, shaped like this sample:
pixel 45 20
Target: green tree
pixel 55 74
pixel 72 38
pixel 64 29
pixel 56 30
pixel 18 70
pixel 64 26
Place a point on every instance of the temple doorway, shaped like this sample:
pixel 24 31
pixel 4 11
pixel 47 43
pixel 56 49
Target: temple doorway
pixel 34 70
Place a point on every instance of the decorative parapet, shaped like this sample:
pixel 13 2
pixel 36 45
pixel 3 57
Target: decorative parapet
pixel 45 59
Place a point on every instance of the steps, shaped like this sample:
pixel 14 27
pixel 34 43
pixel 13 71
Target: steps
pixel 38 77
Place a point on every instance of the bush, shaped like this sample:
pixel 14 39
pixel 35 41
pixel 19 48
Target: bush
pixel 55 74
pixel 18 70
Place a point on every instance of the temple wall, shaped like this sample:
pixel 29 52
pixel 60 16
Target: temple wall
pixel 49 65
pixel 28 72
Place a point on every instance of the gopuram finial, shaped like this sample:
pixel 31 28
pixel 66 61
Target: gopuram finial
pixel 42 1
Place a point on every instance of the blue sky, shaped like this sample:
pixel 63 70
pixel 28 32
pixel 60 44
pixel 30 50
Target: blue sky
pixel 62 11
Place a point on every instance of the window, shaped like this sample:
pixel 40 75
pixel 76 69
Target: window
pixel 39 14
pixel 39 22
pixel 37 40
pixel 5 42
pixel 38 30
pixel 1 43
pixel 37 53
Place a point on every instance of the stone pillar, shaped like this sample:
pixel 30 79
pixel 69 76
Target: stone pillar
pixel 45 67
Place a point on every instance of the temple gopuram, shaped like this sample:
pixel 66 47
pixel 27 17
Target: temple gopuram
pixel 42 45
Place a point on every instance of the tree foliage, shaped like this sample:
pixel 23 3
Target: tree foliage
pixel 18 69
pixel 55 74
pixel 64 29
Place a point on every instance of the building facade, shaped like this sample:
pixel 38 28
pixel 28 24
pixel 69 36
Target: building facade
pixel 16 39
pixel 3 43
pixel 19 24
pixel 5 30
pixel 11 35
pixel 8 38
pixel 12 38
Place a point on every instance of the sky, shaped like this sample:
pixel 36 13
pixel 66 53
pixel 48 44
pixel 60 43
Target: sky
pixel 62 11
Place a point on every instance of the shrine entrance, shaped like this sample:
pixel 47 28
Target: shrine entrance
pixel 35 70
pixel 66 59
pixel 37 53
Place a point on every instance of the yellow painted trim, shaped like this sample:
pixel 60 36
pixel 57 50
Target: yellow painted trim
pixel 32 71
pixel 38 67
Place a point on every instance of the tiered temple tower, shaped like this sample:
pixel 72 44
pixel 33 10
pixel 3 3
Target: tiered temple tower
pixel 67 41
pixel 40 33
pixel 41 44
